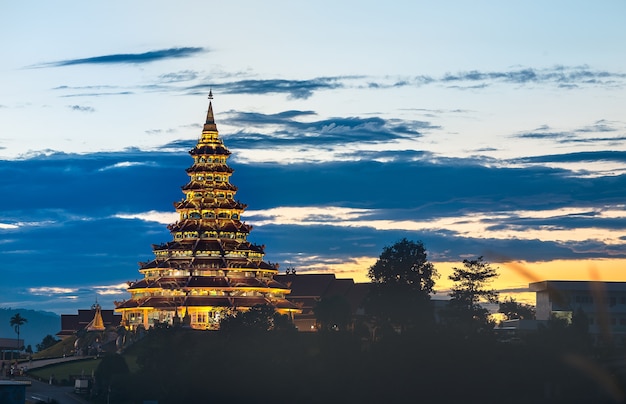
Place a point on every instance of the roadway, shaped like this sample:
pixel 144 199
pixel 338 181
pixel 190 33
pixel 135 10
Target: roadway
pixel 39 392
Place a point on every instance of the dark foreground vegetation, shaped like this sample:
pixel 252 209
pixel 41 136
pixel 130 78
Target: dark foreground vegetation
pixel 399 351
pixel 178 365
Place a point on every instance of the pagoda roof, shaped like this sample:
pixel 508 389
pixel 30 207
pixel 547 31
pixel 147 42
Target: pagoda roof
pixel 208 282
pixel 210 244
pixel 274 284
pixel 246 283
pixel 284 304
pixel 234 245
pixel 185 225
pixel 212 203
pixel 209 150
pixel 214 301
pixel 210 168
pixel 249 301
pixel 158 302
pixel 214 186
pixel 182 282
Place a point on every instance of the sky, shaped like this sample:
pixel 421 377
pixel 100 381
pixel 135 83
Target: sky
pixel 482 128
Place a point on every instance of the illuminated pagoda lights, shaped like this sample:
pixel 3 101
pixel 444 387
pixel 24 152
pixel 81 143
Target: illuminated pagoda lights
pixel 209 268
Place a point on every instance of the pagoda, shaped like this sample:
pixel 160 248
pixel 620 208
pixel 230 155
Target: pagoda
pixel 209 269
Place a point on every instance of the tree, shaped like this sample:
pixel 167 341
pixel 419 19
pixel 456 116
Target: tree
pixel 402 282
pixel 109 373
pixel 260 318
pixel 17 321
pixel 513 310
pixel 468 291
pixel 46 343
pixel 333 313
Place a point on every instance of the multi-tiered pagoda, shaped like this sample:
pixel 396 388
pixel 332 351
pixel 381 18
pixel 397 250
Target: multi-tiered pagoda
pixel 209 268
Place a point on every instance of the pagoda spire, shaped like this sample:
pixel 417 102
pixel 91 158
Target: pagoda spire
pixel 209 125
pixel 96 324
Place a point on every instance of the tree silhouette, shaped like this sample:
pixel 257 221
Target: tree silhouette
pixel 468 291
pixel 402 281
pixel 513 310
pixel 333 313
pixel 17 321
pixel 258 319
pixel 46 343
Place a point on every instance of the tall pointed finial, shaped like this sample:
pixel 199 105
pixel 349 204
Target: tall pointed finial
pixel 210 120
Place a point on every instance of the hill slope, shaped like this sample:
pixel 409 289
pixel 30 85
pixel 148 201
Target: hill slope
pixel 40 323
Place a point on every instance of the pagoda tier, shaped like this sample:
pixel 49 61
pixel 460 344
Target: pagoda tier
pixel 209 267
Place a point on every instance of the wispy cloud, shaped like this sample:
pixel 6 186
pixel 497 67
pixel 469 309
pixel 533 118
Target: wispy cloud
pixel 81 108
pixel 180 76
pixel 192 82
pixel 151 216
pixel 51 290
pixel 297 89
pixel 133 58
pixel 117 289
pixel 560 76
pixel 125 164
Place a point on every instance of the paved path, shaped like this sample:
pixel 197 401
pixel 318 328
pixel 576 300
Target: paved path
pixel 45 362
pixel 39 392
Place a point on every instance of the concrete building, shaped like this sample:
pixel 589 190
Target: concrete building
pixel 604 303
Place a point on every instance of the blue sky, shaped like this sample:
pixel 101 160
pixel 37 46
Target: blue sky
pixel 481 128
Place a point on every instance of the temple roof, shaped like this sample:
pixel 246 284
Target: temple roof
pixel 210 149
pixel 212 301
pixel 212 203
pixel 97 324
pixel 220 186
pixel 219 282
pixel 213 168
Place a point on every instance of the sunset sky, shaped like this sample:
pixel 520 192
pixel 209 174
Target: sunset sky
pixel 480 128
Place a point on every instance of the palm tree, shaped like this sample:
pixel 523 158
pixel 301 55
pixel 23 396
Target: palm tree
pixel 16 321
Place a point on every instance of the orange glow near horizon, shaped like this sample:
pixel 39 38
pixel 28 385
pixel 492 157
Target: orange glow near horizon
pixel 513 278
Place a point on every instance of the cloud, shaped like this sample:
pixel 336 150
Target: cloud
pixel 81 108
pixel 289 136
pixel 297 89
pixel 560 76
pixel 125 164
pixel 565 77
pixel 117 289
pixel 151 216
pixel 180 76
pixel 190 81
pixel 51 290
pixel 134 58
pixel 105 210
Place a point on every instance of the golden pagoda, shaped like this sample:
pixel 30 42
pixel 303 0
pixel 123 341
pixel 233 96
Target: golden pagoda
pixel 97 324
pixel 209 268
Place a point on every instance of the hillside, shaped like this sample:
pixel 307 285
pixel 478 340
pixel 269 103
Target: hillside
pixel 40 323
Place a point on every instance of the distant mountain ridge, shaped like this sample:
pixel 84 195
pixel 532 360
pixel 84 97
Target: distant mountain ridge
pixel 40 323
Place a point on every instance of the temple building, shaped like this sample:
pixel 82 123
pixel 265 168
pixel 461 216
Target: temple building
pixel 209 268
pixel 94 319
